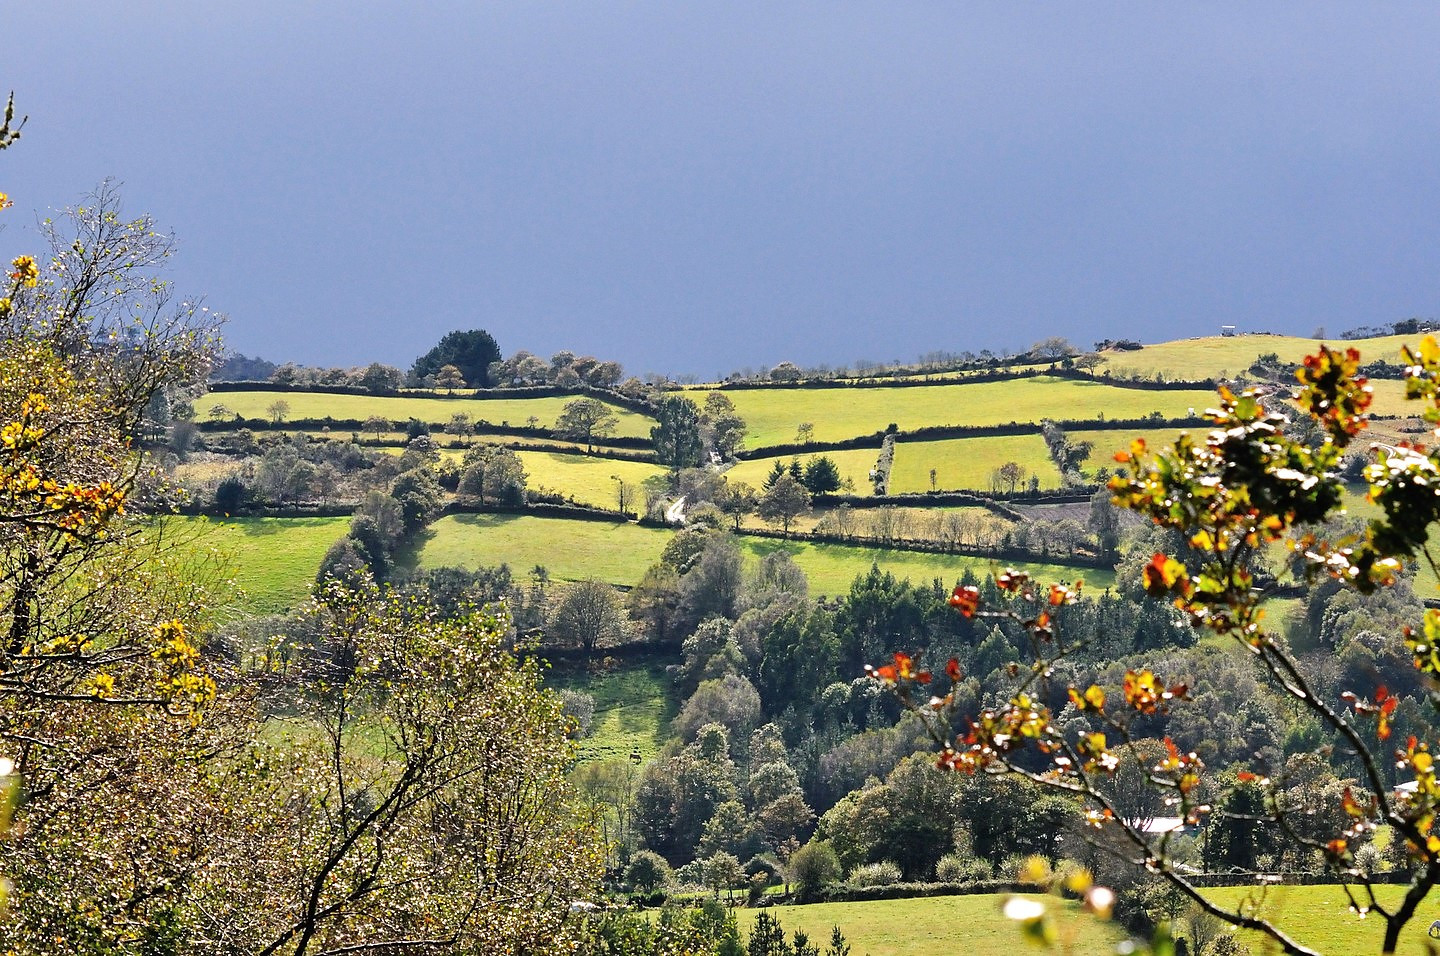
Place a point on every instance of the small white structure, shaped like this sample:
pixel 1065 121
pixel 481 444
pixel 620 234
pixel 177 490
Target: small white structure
pixel 1159 826
pixel 1228 331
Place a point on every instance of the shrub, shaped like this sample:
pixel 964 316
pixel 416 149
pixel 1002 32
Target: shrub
pixel 954 868
pixel 814 867
pixel 875 874
pixel 648 871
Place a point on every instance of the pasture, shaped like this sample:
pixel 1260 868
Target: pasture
pixel 937 926
pixel 434 411
pixel 854 464
pixel 1319 917
pixel 569 550
pixel 965 464
pixel 1212 355
pixel 907 516
pixel 590 481
pixel 619 553
pixel 773 414
pixel 395 441
pixel 633 708
pixel 271 562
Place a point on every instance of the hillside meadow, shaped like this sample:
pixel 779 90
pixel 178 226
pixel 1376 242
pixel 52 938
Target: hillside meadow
pixel 633 707
pixel 966 464
pixel 589 480
pixel 270 563
pixel 399 408
pixel 773 414
pixel 620 553
pixel 1319 917
pixel 1213 355
pixel 852 463
pixel 937 926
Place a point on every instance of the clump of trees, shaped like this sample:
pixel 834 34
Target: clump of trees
pixel 375 378
pixel 676 434
pixel 586 419
pixel 460 359
pixel 565 369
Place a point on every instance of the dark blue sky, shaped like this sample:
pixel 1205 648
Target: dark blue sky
pixel 691 187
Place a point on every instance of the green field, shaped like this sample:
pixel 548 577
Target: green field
pixel 496 411
pixel 937 926
pixel 832 567
pixel 965 464
pixel 773 414
pixel 1211 355
pixel 395 441
pixel 1105 443
pixel 633 709
pixel 569 550
pixel 272 560
pixel 620 553
pixel 918 518
pixel 591 481
pixel 854 463
pixel 1319 917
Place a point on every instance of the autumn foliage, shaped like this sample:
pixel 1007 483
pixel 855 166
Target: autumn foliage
pixel 1235 492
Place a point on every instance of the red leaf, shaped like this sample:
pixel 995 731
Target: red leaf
pixel 965 599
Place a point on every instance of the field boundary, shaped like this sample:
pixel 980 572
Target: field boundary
pixel 950 432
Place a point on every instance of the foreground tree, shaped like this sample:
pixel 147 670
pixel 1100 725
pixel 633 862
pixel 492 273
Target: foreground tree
pixel 1242 488
pixel 419 805
pixel 430 813
pixel 101 686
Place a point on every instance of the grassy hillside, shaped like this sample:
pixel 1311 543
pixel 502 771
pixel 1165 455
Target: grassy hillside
pixel 497 411
pixel 570 550
pixel 965 464
pixel 1209 356
pixel 590 480
pixel 633 709
pixel 272 561
pixel 1319 917
pixel 773 414
pixel 854 464
pixel 619 554
pixel 935 926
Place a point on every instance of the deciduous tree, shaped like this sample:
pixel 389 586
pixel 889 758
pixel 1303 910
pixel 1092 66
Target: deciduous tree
pixel 586 419
pixel 785 501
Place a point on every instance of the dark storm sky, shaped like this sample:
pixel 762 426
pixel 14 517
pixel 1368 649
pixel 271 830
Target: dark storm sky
pixel 692 187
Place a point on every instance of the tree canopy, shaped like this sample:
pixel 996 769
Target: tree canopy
pixel 470 353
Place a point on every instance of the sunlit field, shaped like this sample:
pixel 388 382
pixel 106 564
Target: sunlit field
pixel 774 414
pixel 589 480
pixel 271 561
pixel 967 463
pixel 1214 355
pixel 434 411
pixel 619 554
pixel 937 926
pixel 854 464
